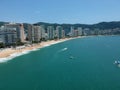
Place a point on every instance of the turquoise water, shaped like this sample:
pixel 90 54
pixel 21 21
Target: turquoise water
pixel 51 68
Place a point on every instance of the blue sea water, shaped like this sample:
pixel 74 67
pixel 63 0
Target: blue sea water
pixel 78 64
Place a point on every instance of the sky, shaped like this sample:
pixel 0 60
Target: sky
pixel 60 11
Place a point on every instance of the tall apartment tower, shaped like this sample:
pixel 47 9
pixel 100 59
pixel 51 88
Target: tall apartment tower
pixel 22 33
pixel 19 30
pixel 42 28
pixel 37 33
pixel 63 33
pixel 80 31
pixel 72 31
pixel 76 33
pixel 59 31
pixel 8 35
pixel 30 33
pixel 34 33
pixel 50 32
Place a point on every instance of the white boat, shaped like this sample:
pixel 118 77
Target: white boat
pixel 64 49
pixel 117 62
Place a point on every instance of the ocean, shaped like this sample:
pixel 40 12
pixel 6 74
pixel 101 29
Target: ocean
pixel 78 64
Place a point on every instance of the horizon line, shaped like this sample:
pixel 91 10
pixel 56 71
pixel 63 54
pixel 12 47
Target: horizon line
pixel 60 23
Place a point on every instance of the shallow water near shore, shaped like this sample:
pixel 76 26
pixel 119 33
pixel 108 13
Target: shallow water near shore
pixel 13 55
pixel 51 68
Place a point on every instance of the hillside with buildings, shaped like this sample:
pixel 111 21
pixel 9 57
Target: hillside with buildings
pixel 12 34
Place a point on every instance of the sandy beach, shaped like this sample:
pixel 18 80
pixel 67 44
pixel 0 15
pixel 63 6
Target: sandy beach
pixel 10 53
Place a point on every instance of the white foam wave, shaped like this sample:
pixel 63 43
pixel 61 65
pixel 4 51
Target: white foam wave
pixel 46 45
pixel 14 55
pixel 36 49
pixel 3 60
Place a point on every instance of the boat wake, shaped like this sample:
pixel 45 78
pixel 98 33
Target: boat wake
pixel 64 49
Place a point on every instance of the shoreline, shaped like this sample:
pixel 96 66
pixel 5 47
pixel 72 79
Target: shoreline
pixel 10 53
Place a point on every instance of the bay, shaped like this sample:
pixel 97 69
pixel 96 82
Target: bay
pixel 78 64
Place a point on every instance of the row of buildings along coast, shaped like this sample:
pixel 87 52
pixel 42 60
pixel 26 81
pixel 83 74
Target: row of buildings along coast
pixel 39 33
pixel 14 33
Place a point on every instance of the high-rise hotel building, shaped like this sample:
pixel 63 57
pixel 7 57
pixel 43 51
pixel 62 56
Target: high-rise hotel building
pixel 80 32
pixel 19 29
pixel 8 35
pixel 59 31
pixel 72 31
pixel 30 34
pixel 36 33
pixel 22 33
pixel 50 32
pixel 12 33
pixel 63 33
pixel 43 34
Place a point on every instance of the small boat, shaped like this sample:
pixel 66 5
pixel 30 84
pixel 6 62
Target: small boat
pixel 71 57
pixel 65 49
pixel 117 62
